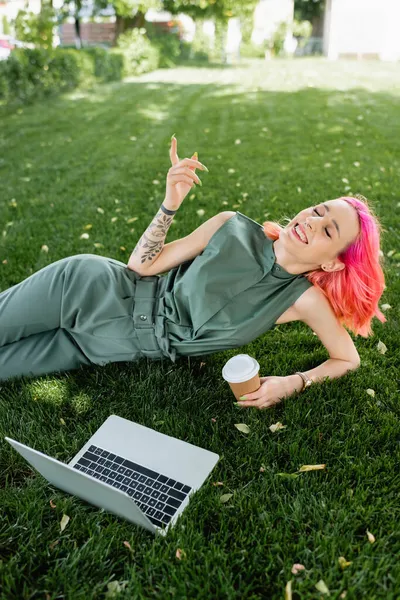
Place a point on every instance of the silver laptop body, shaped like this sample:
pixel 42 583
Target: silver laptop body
pixel 135 472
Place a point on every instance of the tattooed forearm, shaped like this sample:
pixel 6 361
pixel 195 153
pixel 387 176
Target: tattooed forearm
pixel 150 245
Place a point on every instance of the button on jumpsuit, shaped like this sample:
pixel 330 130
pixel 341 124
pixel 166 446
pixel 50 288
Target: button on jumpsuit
pixel 88 309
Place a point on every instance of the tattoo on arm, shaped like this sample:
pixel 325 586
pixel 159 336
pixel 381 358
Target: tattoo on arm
pixel 152 241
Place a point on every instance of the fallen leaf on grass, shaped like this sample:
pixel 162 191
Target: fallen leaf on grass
pixel 127 545
pixel 385 307
pixel 297 567
pixel 371 392
pixel 322 587
pixel 311 468
pixel 180 554
pixel 242 427
pixel 114 588
pixel 371 538
pixel 52 504
pixel 64 522
pixel 343 562
pixel 225 497
pixel 288 590
pixel 53 544
pixel 289 475
pixel 277 426
pixel 62 421
pixel 381 347
pixel 217 483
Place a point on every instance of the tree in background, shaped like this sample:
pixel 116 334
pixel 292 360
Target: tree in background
pixel 220 11
pixel 310 10
pixel 129 13
pixel 36 29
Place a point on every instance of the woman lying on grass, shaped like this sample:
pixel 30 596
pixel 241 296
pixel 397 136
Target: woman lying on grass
pixel 227 282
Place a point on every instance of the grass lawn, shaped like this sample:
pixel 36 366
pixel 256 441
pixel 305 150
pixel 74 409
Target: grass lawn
pixel 295 133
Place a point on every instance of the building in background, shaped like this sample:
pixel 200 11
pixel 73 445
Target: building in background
pixel 268 15
pixel 362 29
pixel 351 28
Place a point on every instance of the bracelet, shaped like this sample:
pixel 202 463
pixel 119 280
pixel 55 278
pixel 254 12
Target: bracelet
pixel 167 211
pixel 306 380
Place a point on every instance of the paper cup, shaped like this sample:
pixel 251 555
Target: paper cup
pixel 242 374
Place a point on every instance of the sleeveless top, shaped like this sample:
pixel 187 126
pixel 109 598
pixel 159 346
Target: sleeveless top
pixel 227 296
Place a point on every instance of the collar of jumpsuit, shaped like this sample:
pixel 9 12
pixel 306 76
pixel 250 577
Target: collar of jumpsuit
pixel 269 253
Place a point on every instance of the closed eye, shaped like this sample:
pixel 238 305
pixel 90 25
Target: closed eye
pixel 327 232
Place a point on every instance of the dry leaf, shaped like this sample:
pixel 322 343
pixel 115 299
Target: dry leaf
pixel 381 347
pixel 180 554
pixel 62 421
pixel 242 427
pixel 45 248
pixel 156 182
pixel 200 212
pixel 297 567
pixel 321 587
pixel 53 544
pixel 98 245
pixel 385 307
pixel 84 236
pixel 100 210
pixel 343 594
pixel 390 253
pixel 213 420
pixel 122 248
pixel 277 426
pixel 343 562
pixel 127 545
pixel 371 538
pixel 371 392
pixel 52 504
pixel 231 170
pixel 225 497
pixel 311 468
pixel 64 522
pixel 113 219
pixel 262 468
pixel 217 483
pixel 288 590
pixel 88 226
pixel 132 219
pixel 114 588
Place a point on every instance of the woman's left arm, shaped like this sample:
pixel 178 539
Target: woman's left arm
pixel 274 389
pixel 316 311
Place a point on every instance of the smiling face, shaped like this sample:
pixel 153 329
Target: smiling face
pixel 328 227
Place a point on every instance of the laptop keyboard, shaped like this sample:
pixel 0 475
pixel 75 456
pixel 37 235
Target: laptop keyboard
pixel 157 496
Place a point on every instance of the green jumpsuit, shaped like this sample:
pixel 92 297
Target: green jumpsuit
pixel 88 309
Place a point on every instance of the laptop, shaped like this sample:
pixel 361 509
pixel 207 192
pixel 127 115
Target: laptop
pixel 135 472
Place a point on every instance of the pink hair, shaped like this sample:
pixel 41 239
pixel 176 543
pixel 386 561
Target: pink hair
pixel 354 291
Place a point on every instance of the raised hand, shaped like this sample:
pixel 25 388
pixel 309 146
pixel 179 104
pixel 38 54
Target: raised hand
pixel 181 177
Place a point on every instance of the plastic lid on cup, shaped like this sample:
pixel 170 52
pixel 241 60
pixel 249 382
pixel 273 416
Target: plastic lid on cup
pixel 241 367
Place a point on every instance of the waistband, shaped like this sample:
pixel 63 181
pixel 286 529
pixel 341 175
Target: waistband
pixel 150 327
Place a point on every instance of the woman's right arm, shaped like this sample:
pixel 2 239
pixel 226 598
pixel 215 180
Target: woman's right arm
pixel 178 251
pixel 150 245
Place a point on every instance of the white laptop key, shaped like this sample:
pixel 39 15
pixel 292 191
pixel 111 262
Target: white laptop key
pixel 133 471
